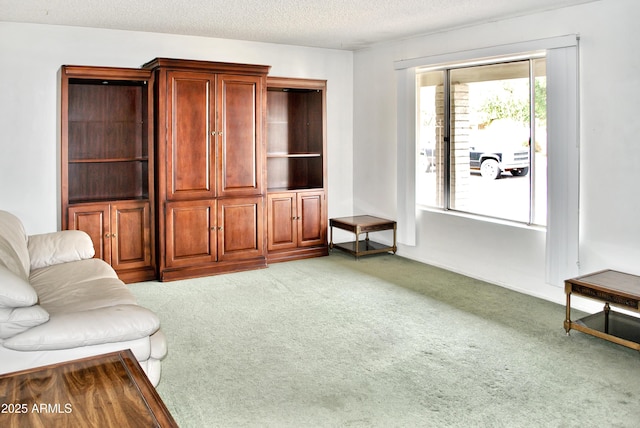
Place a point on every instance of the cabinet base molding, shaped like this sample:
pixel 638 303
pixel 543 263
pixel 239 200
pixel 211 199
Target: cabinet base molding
pixel 141 275
pixel 297 253
pixel 207 270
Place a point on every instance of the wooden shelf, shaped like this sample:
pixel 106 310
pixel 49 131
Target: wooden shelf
pixel 115 160
pixel 364 247
pixel 294 155
pixel 295 136
pixel 290 188
pixel 103 200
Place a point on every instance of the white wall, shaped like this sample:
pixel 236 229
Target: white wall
pixel 610 149
pixel 31 56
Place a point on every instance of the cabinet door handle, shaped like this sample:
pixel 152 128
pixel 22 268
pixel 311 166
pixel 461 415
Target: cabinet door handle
pixel 106 235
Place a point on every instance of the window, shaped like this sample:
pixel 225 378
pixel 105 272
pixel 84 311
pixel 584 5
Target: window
pixel 561 61
pixel 475 125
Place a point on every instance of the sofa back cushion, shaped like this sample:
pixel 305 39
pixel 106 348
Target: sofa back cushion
pixel 54 248
pixel 14 253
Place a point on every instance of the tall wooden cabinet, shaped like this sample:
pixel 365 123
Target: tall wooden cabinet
pixel 210 190
pixel 296 168
pixel 107 164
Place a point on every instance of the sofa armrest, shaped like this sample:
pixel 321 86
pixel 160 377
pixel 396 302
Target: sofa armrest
pixel 59 247
pixel 112 324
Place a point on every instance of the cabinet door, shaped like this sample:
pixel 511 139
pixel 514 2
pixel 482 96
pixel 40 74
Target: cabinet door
pixel 94 220
pixel 190 233
pixel 130 235
pixel 240 100
pixel 311 223
pixel 190 141
pixel 282 227
pixel 240 222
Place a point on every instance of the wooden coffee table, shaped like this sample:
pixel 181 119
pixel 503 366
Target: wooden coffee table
pixel 363 224
pixel 109 390
pixel 613 288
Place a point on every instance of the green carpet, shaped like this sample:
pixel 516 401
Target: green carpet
pixel 380 342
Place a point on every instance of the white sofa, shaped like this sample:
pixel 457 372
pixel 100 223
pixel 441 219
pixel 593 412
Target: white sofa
pixel 58 303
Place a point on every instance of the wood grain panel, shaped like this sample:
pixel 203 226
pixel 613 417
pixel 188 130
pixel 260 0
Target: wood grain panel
pixel 240 127
pixel 189 164
pixel 281 213
pixel 311 226
pixel 191 233
pixel 242 228
pixel 105 391
pixel 131 235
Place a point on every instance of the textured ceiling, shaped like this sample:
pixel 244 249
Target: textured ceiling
pixel 338 24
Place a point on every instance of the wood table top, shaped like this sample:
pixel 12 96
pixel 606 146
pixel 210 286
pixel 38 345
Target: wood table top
pixel 362 220
pixel 611 281
pixel 109 390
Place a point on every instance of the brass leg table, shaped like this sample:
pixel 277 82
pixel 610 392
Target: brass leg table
pixel 612 288
pixel 109 390
pixel 359 225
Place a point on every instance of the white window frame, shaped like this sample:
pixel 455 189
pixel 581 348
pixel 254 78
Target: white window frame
pixel 562 230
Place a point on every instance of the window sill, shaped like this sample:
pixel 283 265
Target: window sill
pixel 478 217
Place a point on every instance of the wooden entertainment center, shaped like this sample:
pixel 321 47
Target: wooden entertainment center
pixel 187 168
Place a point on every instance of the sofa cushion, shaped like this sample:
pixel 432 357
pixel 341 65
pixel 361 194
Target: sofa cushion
pixel 17 320
pixel 105 325
pixel 79 286
pixel 15 292
pixel 14 254
pixel 59 247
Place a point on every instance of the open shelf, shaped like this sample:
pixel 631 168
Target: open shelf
pixel 295 138
pixel 108 180
pixel 621 325
pixel 295 172
pixel 107 140
pixel 293 155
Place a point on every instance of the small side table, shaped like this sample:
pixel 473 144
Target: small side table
pixel 363 224
pixel 612 287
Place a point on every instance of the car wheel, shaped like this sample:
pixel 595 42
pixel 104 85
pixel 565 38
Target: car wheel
pixel 490 169
pixel 520 171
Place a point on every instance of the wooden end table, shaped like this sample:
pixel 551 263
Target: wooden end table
pixel 109 390
pixel 363 224
pixel 613 288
